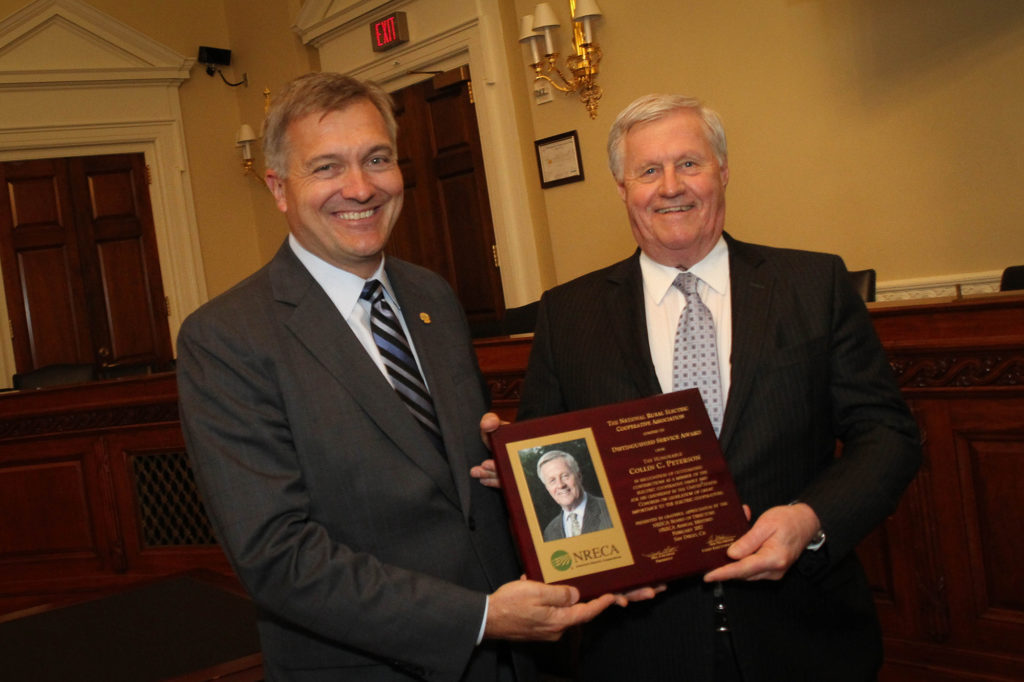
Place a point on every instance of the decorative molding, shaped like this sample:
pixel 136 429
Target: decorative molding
pixel 944 286
pixel 505 388
pixel 322 20
pixel 969 368
pixel 91 47
pixel 88 420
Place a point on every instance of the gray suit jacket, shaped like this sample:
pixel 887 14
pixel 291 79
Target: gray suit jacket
pixel 368 553
pixel 595 517
pixel 807 371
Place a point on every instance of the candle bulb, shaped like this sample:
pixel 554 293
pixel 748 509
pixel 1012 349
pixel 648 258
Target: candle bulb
pixel 528 35
pixel 587 35
pixel 549 41
pixel 544 19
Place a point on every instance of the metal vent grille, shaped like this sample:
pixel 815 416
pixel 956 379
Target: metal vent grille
pixel 170 512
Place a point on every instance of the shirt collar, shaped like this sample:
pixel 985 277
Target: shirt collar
pixel 341 286
pixel 713 270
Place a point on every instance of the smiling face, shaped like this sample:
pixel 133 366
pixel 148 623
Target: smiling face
pixel 343 189
pixel 562 483
pixel 674 188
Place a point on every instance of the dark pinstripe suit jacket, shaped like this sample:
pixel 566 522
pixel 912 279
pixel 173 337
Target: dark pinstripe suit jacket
pixel 595 517
pixel 368 553
pixel 807 370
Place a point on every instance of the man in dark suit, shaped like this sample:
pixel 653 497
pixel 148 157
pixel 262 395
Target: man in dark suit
pixel 581 512
pixel 800 368
pixel 346 511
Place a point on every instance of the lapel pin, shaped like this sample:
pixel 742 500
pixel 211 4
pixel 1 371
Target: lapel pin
pixel 424 318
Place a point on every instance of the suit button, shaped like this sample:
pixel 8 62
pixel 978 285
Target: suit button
pixel 471 523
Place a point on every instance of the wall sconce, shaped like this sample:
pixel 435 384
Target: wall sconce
pixel 244 139
pixel 540 27
pixel 246 136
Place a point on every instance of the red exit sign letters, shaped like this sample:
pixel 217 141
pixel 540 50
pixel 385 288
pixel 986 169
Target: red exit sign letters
pixel 389 32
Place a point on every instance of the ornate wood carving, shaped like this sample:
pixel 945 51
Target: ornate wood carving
pixel 962 368
pixel 87 420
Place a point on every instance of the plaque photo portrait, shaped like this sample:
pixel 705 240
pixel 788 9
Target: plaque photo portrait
pixel 567 496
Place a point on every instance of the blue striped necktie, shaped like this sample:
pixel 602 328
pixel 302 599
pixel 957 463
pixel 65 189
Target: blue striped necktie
pixel 399 361
pixel 695 361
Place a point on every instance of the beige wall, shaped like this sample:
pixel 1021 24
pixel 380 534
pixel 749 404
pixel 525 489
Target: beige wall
pixel 891 133
pixel 274 55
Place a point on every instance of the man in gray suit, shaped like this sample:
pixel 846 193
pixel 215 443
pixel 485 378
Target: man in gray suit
pixel 800 368
pixel 581 512
pixel 345 508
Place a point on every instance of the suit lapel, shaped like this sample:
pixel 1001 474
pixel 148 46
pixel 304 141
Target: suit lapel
pixel 317 324
pixel 625 303
pixel 752 285
pixel 433 346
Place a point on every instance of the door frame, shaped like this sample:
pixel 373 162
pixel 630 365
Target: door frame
pixel 460 32
pixel 180 259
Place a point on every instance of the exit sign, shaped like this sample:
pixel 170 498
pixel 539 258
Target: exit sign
pixel 389 32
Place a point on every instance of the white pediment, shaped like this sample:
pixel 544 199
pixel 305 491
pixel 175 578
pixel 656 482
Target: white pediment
pixel 68 41
pixel 319 19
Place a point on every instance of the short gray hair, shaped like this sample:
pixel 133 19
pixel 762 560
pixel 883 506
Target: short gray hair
pixel 555 454
pixel 657 106
pixel 318 93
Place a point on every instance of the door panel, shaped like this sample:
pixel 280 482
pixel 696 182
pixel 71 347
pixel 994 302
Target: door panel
pixel 446 223
pixel 126 300
pixel 80 263
pixel 40 259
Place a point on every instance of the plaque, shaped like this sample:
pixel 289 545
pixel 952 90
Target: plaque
pixel 660 501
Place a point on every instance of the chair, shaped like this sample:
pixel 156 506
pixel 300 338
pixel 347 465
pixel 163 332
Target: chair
pixel 864 283
pixel 520 320
pixel 59 374
pixel 1013 278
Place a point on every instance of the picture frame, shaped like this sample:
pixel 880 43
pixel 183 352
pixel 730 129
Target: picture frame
pixel 558 159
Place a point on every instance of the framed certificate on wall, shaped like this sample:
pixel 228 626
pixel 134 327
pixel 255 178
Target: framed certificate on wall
pixel 559 160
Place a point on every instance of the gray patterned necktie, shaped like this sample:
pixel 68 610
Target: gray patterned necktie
pixel 399 361
pixel 574 524
pixel 695 360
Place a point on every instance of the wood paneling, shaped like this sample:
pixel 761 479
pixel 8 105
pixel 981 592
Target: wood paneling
pixel 82 467
pixel 81 518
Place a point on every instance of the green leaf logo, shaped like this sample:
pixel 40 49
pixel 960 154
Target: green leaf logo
pixel 561 560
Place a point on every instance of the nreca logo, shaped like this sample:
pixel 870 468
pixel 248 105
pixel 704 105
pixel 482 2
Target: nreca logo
pixel 561 560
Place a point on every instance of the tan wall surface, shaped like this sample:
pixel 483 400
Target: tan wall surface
pixel 888 132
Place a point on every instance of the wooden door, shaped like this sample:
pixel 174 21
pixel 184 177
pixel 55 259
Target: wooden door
pixel 446 223
pixel 79 257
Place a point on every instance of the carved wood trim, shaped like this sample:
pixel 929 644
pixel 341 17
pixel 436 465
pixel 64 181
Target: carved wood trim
pixel 87 420
pixel 958 368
